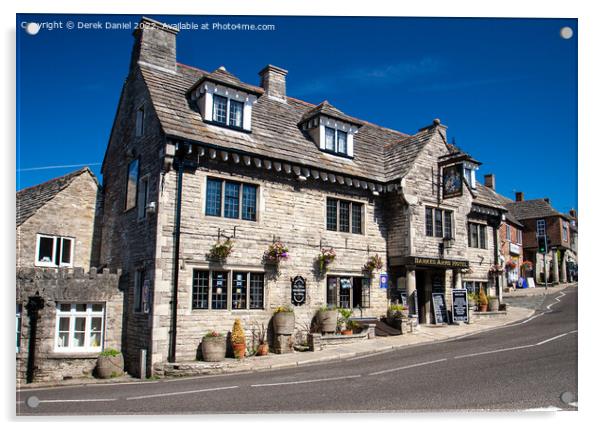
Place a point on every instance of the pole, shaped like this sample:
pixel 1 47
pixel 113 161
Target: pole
pixel 545 264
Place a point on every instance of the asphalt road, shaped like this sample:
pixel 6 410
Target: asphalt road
pixel 526 365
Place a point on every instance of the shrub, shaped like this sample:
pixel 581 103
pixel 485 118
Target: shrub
pixel 238 334
pixel 220 251
pixel 212 334
pixel 483 298
pixel 110 353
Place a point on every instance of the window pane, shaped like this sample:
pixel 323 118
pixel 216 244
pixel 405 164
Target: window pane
pixel 132 184
pixel 341 142
pixel 356 218
pixel 448 224
pixel 256 291
pixel 429 221
pixel 57 251
pixel 64 324
pixel 331 214
pixel 239 290
pixel 65 307
pixel 138 284
pixel 345 293
pixel 249 202
pixel 483 236
pixel 45 249
pixel 63 339
pixel 200 289
pixel 219 108
pixel 329 135
pixel 365 302
pixel 95 339
pixel 66 251
pixel 331 291
pixel 344 216
pixel 219 296
pixel 438 223
pixel 236 113
pixel 80 307
pixel 474 235
pixel 97 308
pixel 213 203
pixel 231 196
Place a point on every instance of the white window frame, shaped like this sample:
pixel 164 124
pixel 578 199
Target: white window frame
pixel 52 262
pixel 541 225
pixel 72 314
pixel 519 236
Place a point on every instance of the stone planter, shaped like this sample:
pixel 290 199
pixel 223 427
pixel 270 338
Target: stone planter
pixel 109 367
pixel 284 323
pixel 214 348
pixel 494 304
pixel 328 321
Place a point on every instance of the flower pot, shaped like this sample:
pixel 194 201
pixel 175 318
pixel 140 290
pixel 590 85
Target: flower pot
pixel 240 350
pixel 347 332
pixel 214 348
pixel 494 304
pixel 482 308
pixel 109 367
pixel 262 349
pixel 284 322
pixel 328 320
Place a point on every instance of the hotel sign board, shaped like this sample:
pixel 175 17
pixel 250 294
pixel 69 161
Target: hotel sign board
pixel 459 305
pixel 439 308
pixel 437 262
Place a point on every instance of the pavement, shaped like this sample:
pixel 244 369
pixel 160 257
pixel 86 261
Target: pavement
pixel 518 309
pixel 527 362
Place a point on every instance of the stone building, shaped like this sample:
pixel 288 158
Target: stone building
pixel 198 158
pixel 539 219
pixel 66 312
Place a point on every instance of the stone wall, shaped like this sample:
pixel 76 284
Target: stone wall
pixel 56 286
pixel 71 213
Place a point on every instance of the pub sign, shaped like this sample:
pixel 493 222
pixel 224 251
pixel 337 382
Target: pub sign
pixel 298 290
pixel 452 181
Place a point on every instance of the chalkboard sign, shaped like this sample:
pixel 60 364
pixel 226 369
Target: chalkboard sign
pixel 298 291
pixel 459 305
pixel 439 308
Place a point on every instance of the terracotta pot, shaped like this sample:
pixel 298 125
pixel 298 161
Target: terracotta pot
pixel 483 308
pixel 214 348
pixel 328 320
pixel 284 322
pixel 240 350
pixel 346 332
pixel 263 349
pixel 109 367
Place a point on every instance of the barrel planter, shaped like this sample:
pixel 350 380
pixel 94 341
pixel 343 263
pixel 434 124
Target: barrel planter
pixel 494 304
pixel 214 348
pixel 284 323
pixel 328 320
pixel 109 366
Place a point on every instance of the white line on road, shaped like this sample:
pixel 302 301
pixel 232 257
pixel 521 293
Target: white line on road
pixel 407 367
pixel 557 298
pixel 306 381
pixel 555 337
pixel 76 400
pixel 179 393
pixel 494 351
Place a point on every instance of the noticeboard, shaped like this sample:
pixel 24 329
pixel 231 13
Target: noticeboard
pixel 439 308
pixel 459 305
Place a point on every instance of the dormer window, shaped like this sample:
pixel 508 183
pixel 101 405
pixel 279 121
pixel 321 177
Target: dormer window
pixel 236 110
pixel 220 109
pixel 470 174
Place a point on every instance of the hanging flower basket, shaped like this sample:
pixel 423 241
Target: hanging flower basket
pixel 511 265
pixel 276 253
pixel 496 269
pixel 374 263
pixel 527 265
pixel 220 251
pixel 325 258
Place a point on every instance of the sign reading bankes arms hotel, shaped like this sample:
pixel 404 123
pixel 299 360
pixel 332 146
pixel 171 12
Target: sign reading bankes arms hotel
pixel 437 262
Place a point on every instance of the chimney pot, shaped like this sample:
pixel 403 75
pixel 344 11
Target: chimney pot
pixel 490 181
pixel 520 196
pixel 273 81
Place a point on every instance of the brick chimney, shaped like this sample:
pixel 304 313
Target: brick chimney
pixel 490 181
pixel 520 196
pixel 154 44
pixel 547 200
pixel 273 81
pixel 573 213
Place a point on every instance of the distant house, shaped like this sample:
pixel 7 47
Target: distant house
pixel 74 311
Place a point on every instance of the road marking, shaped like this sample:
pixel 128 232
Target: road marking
pixel 407 367
pixel 544 409
pixel 557 298
pixel 494 351
pixel 76 400
pixel 308 381
pixel 369 355
pixel 555 337
pixel 179 393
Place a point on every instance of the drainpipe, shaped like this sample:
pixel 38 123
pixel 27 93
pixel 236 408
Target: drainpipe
pixel 179 165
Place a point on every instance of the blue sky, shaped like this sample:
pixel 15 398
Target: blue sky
pixel 506 88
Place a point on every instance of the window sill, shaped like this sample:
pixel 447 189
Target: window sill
pixel 229 127
pixel 338 154
pixel 71 354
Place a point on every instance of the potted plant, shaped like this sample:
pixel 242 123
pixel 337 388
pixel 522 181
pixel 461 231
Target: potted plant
pixel 511 265
pixel 109 364
pixel 284 320
pixel 325 258
pixel 527 266
pixel 213 346
pixel 344 321
pixel 262 347
pixel 220 251
pixel 354 326
pixel 238 340
pixel 275 253
pixel 327 319
pixel 395 314
pixel 374 263
pixel 493 303
pixel 483 302
pixel 473 299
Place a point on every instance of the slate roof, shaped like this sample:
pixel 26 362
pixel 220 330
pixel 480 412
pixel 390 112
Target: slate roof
pixel 29 200
pixel 327 109
pixel 276 133
pixel 529 209
pixel 222 76
pixel 487 197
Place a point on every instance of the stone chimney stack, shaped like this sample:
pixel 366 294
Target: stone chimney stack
pixel 490 181
pixel 573 213
pixel 154 44
pixel 547 200
pixel 520 196
pixel 273 81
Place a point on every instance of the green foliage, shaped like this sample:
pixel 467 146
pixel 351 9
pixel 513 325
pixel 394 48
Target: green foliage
pixel 110 353
pixel 374 263
pixel 220 251
pixel 284 308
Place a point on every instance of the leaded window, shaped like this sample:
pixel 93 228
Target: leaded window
pixel 341 142
pixel 239 290
pixel 220 109
pixel 231 197
pixel 329 134
pixel 439 223
pixel 477 235
pixel 344 216
pixel 429 221
pixel 331 214
pixel 256 291
pixel 541 227
pixel 240 200
pixel 219 293
pixel 447 225
pixel 131 185
pixel 236 109
pixel 249 202
pixel 200 289
pixel 213 202
pixel 356 217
